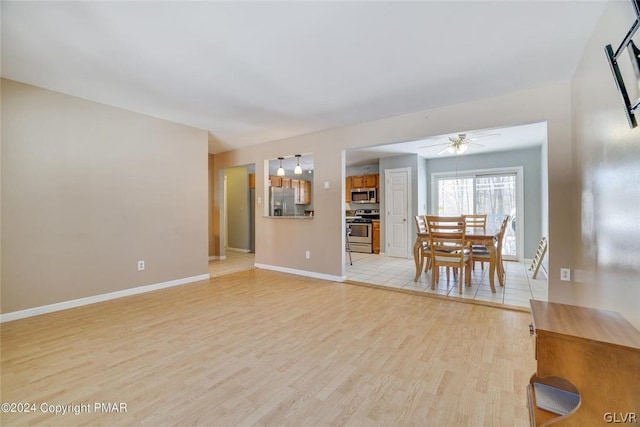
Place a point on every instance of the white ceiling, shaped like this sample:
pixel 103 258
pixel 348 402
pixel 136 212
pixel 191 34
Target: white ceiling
pixel 251 72
pixel 489 141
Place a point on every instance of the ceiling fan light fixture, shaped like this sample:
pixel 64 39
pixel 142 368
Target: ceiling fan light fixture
pixel 462 148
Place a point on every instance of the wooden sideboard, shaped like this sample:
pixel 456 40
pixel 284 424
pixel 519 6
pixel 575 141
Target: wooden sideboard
pixel 589 352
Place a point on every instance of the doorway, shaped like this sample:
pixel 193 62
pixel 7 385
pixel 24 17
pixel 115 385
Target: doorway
pixel 239 210
pixel 237 221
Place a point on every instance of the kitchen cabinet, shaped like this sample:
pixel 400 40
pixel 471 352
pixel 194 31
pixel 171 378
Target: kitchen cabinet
pixel 252 180
pixel 375 231
pixel 280 181
pixel 364 181
pixel 276 181
pixel 347 187
pixel 588 365
pixel 357 181
pixel 304 192
pixel 371 181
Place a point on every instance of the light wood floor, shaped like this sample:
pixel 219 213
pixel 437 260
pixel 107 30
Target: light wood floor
pixel 270 349
pixel 233 263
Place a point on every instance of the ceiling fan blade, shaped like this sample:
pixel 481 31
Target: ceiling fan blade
pixel 435 145
pixel 442 151
pixel 482 136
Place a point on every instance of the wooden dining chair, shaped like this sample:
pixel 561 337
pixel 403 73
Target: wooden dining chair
pixel 538 257
pixel 425 254
pixel 476 221
pixel 481 253
pixel 448 247
pixel 479 222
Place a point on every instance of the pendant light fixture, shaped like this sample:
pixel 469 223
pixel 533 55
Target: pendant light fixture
pixel 280 171
pixel 298 169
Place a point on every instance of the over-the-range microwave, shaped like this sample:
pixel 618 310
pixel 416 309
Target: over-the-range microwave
pixel 363 195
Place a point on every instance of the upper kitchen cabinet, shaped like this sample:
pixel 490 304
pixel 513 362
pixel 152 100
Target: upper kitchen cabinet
pixel 276 181
pixel 357 181
pixel 347 187
pixel 304 193
pixel 364 181
pixel 371 181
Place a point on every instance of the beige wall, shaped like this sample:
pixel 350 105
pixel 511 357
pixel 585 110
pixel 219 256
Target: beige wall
pixel 282 242
pixel 87 190
pixel 607 234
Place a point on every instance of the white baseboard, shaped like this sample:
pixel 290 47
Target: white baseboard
pixel 244 251
pixel 305 273
pixel 216 257
pixel 50 308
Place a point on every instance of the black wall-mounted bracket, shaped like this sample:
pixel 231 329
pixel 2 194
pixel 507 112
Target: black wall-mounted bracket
pixel 630 106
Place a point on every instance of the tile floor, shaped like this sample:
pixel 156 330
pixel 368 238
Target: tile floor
pixel 399 272
pixel 385 271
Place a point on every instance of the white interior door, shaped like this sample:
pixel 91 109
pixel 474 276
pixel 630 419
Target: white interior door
pixel 397 212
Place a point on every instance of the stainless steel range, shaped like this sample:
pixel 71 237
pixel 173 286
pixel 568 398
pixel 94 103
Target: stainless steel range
pixel 361 237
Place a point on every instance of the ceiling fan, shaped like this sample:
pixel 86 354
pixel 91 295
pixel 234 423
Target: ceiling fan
pixel 459 144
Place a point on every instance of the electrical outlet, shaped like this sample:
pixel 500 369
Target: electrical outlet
pixel 140 265
pixel 565 274
pixel 307 254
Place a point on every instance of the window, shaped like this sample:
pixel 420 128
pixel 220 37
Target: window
pixel 494 192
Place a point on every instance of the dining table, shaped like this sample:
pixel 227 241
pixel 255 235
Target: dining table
pixel 486 237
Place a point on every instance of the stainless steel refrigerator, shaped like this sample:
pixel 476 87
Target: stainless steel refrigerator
pixel 283 201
